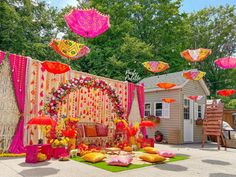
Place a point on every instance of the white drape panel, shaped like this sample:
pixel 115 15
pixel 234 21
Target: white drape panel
pixel 9 114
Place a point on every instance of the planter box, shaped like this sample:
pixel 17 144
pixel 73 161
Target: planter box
pixel 199 122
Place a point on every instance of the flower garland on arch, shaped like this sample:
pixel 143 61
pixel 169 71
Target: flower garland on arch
pixel 51 108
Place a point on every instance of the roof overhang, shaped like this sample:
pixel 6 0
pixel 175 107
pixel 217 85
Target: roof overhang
pixel 202 83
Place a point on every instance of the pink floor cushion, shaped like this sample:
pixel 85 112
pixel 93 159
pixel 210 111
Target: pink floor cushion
pixel 166 153
pixel 123 161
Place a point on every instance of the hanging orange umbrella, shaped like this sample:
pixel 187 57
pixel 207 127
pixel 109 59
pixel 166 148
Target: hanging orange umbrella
pixel 55 67
pixel 168 100
pixel 196 54
pixel 166 85
pixel 226 92
pixel 147 123
pixel 41 120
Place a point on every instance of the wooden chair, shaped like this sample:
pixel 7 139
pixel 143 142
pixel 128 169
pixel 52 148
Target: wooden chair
pixel 212 123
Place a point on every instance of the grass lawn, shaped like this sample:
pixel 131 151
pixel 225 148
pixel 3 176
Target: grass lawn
pixel 105 166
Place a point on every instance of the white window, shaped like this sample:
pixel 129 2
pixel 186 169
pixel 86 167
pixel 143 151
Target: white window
pixel 147 111
pixel 199 111
pixel 162 109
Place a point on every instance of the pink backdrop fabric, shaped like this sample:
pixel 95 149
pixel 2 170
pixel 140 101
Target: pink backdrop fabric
pixel 140 93
pixel 18 66
pixel 131 88
pixel 2 56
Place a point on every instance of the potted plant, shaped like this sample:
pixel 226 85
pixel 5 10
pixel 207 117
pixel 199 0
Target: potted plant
pixel 199 121
pixel 153 118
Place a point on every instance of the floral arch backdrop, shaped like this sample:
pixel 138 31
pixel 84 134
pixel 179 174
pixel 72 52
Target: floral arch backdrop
pixel 52 107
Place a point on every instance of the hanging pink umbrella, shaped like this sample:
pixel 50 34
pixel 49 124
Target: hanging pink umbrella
pixel 195 97
pixel 88 23
pixel 226 63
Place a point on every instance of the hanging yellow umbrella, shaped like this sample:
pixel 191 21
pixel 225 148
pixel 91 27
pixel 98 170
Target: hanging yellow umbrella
pixel 193 74
pixel 155 66
pixel 69 49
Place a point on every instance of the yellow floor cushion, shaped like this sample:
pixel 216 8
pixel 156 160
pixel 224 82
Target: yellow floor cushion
pixel 150 150
pixel 127 149
pixel 93 157
pixel 153 158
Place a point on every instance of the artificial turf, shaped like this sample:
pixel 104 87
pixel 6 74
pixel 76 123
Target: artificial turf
pixel 105 166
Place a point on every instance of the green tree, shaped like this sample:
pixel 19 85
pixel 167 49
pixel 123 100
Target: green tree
pixel 26 27
pixel 215 28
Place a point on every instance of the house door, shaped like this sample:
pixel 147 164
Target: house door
pixel 188 120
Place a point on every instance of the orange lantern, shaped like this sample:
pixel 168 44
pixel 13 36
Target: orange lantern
pixel 55 67
pixel 168 100
pixel 166 85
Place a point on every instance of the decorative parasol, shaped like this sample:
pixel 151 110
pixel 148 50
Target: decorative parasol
pixel 69 49
pixel 88 23
pixel 147 123
pixel 195 97
pixel 193 74
pixel 55 67
pixel 226 63
pixel 41 120
pixel 168 100
pixel 155 66
pixel 196 54
pixel 226 92
pixel 166 85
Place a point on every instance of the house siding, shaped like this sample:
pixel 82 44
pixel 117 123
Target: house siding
pixel 170 127
pixel 194 88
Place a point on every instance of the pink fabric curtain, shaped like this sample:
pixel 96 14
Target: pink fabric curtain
pixel 140 93
pixel 2 56
pixel 18 66
pixel 131 88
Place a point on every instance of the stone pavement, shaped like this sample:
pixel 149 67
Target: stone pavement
pixel 202 163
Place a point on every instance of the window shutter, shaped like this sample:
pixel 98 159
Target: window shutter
pixel 203 110
pixel 165 110
pixel 195 110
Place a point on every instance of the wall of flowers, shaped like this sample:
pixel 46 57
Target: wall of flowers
pixel 90 105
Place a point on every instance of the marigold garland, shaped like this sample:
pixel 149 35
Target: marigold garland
pixel 12 155
pixel 76 83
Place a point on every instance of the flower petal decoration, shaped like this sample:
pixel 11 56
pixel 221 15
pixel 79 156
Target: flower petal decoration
pixel 69 49
pixel 156 66
pixel 55 67
pixel 193 74
pixel 166 85
pixel 226 63
pixel 195 97
pixel 147 123
pixel 41 120
pixel 88 23
pixel 226 92
pixel 168 100
pixel 196 54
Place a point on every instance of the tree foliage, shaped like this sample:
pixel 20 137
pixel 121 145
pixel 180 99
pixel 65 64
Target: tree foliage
pixel 141 30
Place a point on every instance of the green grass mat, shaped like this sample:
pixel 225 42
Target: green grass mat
pixel 105 166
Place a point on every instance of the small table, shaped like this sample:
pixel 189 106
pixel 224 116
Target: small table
pixel 113 151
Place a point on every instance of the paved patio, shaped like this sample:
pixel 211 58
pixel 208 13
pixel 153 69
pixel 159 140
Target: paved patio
pixel 202 163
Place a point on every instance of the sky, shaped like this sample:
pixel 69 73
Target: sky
pixel 188 5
